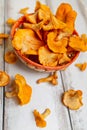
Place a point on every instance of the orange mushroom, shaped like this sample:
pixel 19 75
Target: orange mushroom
pixel 26 41
pixel 66 14
pixel 35 27
pixel 63 10
pixel 84 37
pixel 63 59
pixel 31 18
pixel 4 78
pixel 54 23
pixel 10 21
pixel 57 46
pixel 22 90
pixel 46 57
pixel 10 57
pixel 81 66
pixel 72 99
pixel 51 78
pixel 42 7
pixel 24 10
pixel 39 118
pixel 42 15
pixel 77 43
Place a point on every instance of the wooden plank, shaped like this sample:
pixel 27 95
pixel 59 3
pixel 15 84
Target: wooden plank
pixel 72 77
pixel 44 95
pixel 1 60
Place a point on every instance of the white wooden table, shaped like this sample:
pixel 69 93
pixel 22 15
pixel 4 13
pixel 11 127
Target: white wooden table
pixel 15 117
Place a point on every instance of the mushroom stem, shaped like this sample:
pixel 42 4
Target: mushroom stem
pixel 47 79
pixel 10 94
pixel 54 78
pixel 46 113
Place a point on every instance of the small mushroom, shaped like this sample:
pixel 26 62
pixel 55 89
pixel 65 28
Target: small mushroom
pixel 24 10
pixel 51 78
pixel 10 57
pixel 4 78
pixel 39 118
pixel 81 66
pixel 10 21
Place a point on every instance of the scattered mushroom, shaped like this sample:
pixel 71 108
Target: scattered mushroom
pixel 10 21
pixel 51 78
pixel 81 66
pixel 23 10
pixel 4 78
pixel 40 118
pixel 21 90
pixel 72 99
pixel 10 57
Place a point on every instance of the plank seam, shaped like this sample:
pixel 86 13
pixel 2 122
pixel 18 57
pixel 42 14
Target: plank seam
pixel 4 70
pixel 67 108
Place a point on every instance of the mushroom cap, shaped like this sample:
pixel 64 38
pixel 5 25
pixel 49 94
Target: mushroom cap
pixel 40 122
pixel 10 57
pixel 4 78
pixel 73 99
pixel 24 91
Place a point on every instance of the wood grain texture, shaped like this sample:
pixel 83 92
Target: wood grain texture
pixel 44 95
pixel 72 77
pixel 1 60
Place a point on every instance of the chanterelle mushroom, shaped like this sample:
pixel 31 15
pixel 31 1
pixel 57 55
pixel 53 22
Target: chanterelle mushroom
pixel 51 78
pixel 72 99
pixel 21 90
pixel 4 78
pixel 39 118
pixel 81 66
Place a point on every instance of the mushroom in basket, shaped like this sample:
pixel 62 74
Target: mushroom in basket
pixel 47 42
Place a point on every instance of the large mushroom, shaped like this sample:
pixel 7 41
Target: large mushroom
pixel 21 90
pixel 72 99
